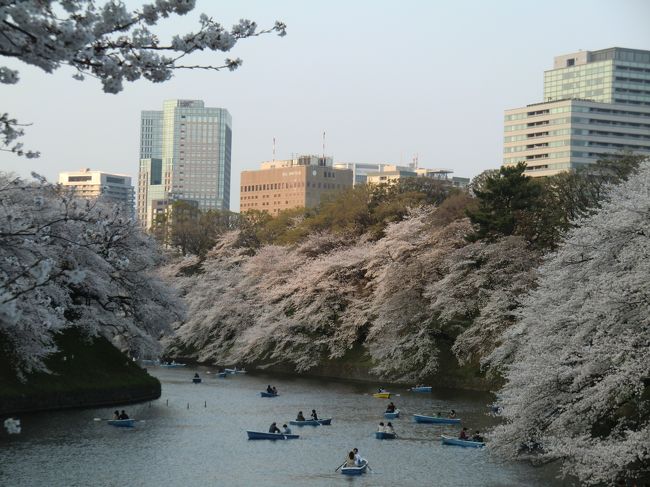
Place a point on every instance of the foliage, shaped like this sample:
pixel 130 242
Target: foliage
pixel 506 201
pixel 107 42
pixel 66 262
pixel 190 230
pixel 576 362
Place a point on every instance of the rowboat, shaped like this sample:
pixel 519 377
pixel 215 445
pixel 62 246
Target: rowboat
pixel 268 394
pixel 122 423
pixel 196 380
pixel 150 362
pixel 235 371
pixel 260 435
pixel 325 422
pixel 448 440
pixel 355 470
pixel 172 365
pixel 392 415
pixel 307 422
pixel 420 418
pixel 421 389
pixel 382 395
pixel 382 435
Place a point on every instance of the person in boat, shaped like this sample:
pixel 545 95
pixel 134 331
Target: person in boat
pixel 389 428
pixel 269 389
pixel 358 460
pixel 380 390
pixel 349 461
pixel 123 415
pixel 390 408
pixel 300 416
pixel 439 414
pixel 196 375
pixel 274 428
pixel 274 390
pixel 381 428
pixel 286 430
pixel 477 436
pixel 314 416
pixel 452 414
pixel 116 414
pixel 464 435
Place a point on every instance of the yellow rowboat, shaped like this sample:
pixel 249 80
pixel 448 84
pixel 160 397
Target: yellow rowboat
pixel 382 395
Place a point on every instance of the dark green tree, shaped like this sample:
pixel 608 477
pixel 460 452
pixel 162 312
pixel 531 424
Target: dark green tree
pixel 507 202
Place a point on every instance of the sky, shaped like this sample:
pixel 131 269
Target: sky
pixel 385 80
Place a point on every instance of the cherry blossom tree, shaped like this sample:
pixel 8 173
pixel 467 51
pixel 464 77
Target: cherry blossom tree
pixel 109 42
pixel 67 262
pixel 577 361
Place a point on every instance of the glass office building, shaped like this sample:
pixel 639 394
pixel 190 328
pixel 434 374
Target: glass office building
pixel 185 154
pixel 614 75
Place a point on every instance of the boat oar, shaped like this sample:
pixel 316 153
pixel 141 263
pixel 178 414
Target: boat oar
pixel 337 468
pixel 368 465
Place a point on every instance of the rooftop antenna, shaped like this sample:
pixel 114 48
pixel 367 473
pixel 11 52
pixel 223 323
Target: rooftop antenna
pixel 273 149
pixel 323 144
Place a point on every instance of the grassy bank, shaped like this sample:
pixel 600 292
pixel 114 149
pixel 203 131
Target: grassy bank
pixel 86 372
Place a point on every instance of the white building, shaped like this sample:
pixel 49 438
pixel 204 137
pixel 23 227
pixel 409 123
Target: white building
pixel 99 184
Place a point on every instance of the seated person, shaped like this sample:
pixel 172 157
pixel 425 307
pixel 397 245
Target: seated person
pixel 452 414
pixel 381 428
pixel 390 408
pixel 274 428
pixel 314 416
pixel 196 375
pixel 286 430
pixel 389 428
pixel 123 415
pixel 274 390
pixel 349 461
pixel 357 457
pixel 269 389
pixel 439 414
pixel 300 416
pixel 463 435
pixel 380 390
pixel 477 437
pixel 116 414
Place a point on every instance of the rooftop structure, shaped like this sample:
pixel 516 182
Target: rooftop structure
pixel 107 186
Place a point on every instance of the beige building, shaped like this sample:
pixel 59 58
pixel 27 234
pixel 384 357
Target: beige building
pixel 300 182
pixel 95 184
pixel 562 135
pixel 391 173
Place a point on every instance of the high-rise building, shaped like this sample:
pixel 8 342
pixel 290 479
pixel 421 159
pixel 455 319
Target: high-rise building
pixel 300 182
pixel 111 187
pixel 597 103
pixel 614 75
pixel 185 152
pixel 558 136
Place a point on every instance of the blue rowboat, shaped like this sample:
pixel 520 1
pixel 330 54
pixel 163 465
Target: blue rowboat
pixel 448 440
pixel 421 389
pixel 259 435
pixel 307 422
pixel 268 394
pixel 393 415
pixel 382 435
pixel 172 365
pixel 223 375
pixel 355 470
pixel 325 422
pixel 122 423
pixel 235 371
pixel 196 380
pixel 420 418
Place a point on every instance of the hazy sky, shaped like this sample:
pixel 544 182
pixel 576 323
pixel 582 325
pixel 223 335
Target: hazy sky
pixel 385 80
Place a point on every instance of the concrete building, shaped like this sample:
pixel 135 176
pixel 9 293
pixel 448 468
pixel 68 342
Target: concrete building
pixel 391 173
pixel 99 184
pixel 557 136
pixel 597 104
pixel 300 182
pixel 614 75
pixel 360 170
pixel 185 153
